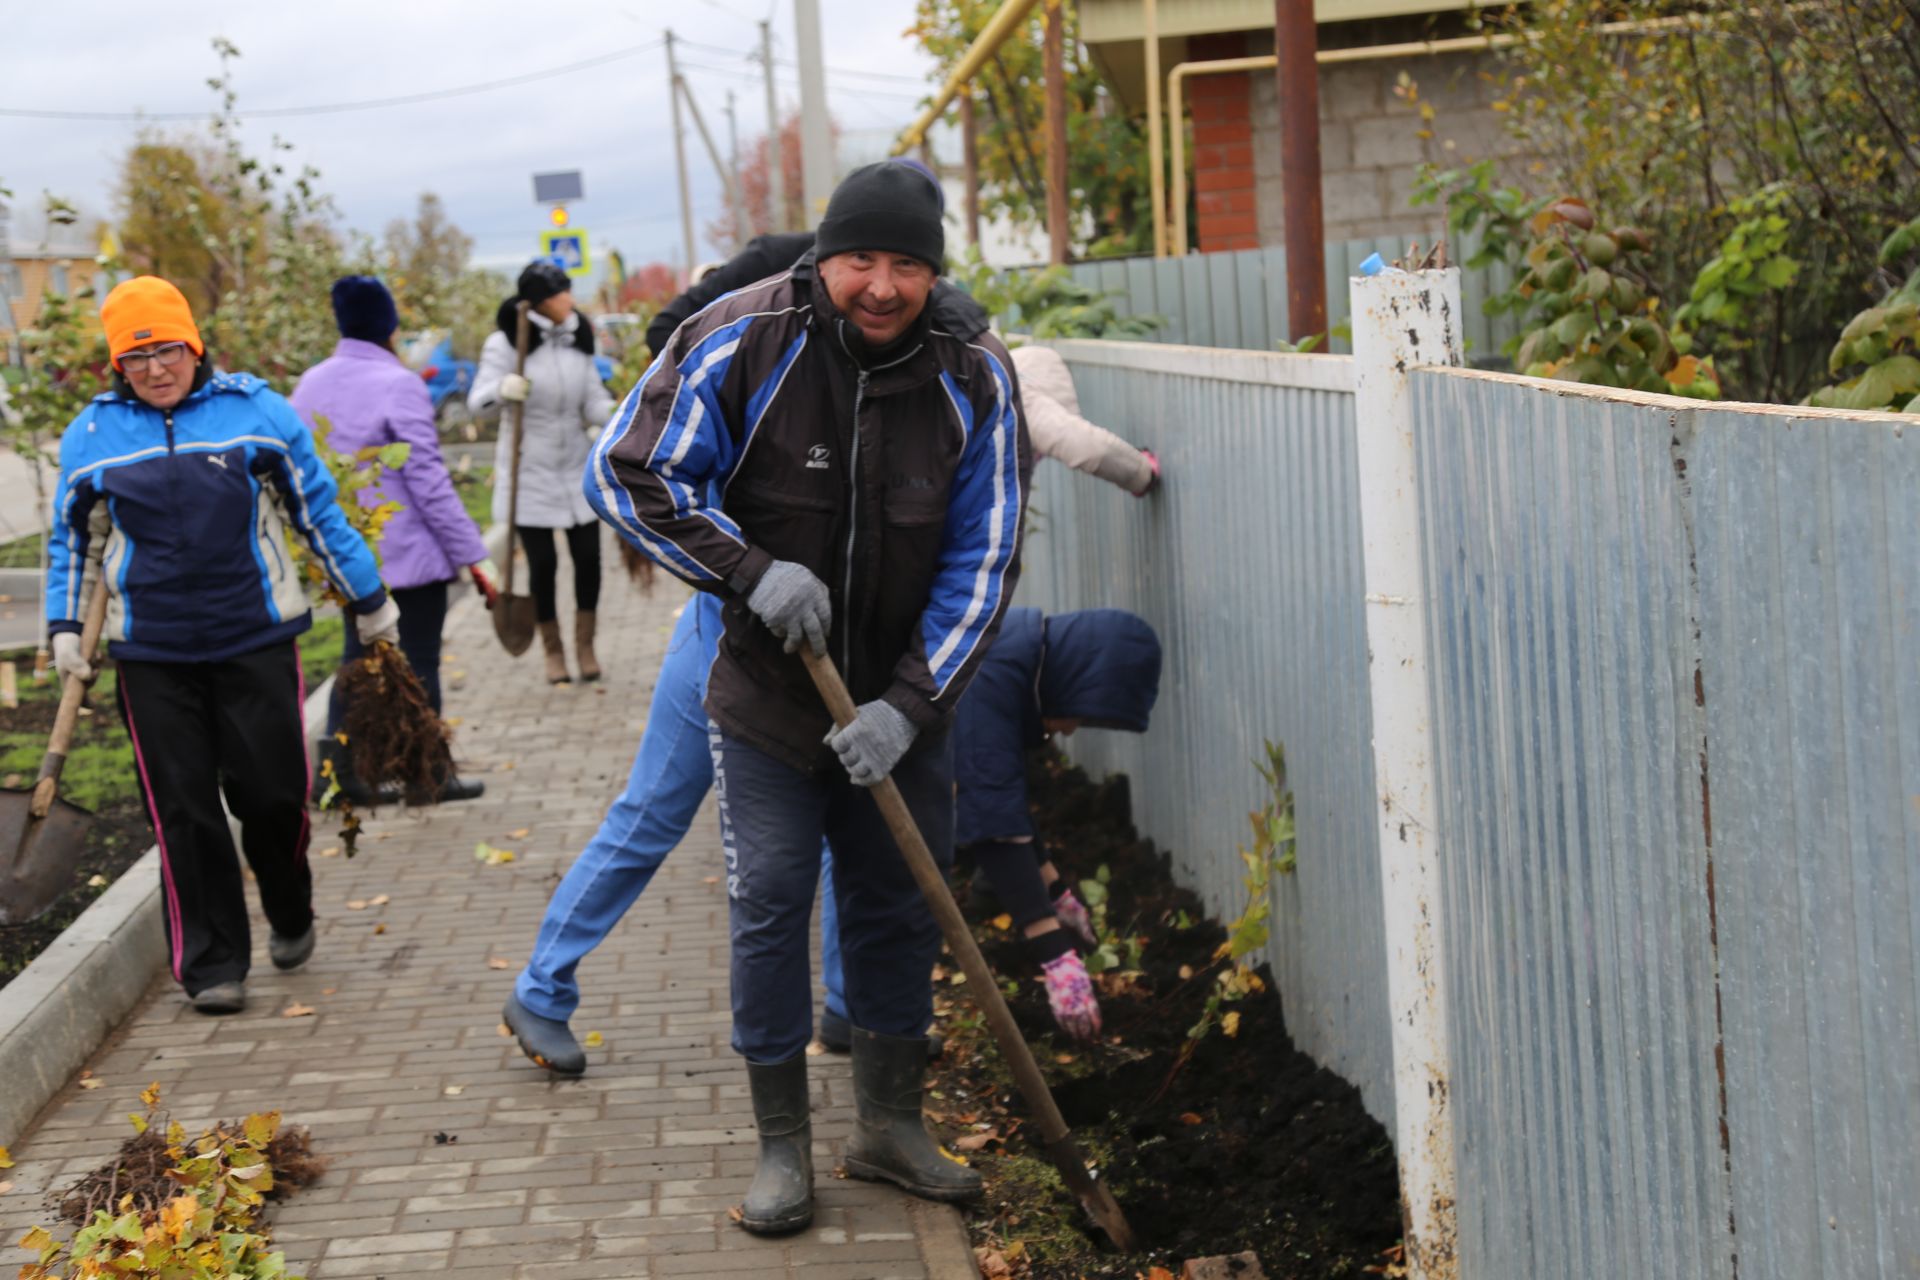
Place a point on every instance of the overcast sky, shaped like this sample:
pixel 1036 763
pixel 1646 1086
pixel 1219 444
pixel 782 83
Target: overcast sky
pixel 477 151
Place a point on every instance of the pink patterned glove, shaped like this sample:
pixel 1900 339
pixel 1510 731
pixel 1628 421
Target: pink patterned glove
pixel 1070 992
pixel 1071 912
pixel 1153 464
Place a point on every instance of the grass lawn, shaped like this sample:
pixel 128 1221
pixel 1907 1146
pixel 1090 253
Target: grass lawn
pixel 21 553
pixel 99 770
pixel 475 486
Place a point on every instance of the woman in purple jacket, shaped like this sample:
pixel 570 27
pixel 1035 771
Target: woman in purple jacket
pixel 370 398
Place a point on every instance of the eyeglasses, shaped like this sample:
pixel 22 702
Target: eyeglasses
pixel 166 355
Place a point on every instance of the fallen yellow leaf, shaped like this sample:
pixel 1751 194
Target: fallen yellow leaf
pixel 6 1158
pixel 380 928
pixel 454 722
pixel 96 882
pixel 381 900
pixel 6 1187
pixel 357 904
pixel 974 1141
pixel 594 1040
pixel 1231 1024
pixel 499 962
pixel 503 1030
pixel 1003 921
pixel 297 1010
pixel 454 1090
pixel 89 1084
pixel 520 833
pixel 331 851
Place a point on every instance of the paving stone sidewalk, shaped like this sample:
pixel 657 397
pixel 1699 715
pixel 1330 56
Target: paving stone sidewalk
pixel 451 1154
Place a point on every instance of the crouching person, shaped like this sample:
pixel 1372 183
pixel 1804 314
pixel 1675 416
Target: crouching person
pixel 846 476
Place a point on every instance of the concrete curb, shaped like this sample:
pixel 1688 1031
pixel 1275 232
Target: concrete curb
pixel 943 1241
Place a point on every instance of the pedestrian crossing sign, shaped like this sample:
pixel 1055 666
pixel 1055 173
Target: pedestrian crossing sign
pixel 568 249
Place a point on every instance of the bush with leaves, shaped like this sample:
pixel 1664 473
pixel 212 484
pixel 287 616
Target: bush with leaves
pixel 1878 355
pixel 1048 303
pixel 1667 126
pixel 1591 316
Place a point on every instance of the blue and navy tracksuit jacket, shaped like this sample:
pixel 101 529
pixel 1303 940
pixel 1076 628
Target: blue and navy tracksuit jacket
pixel 767 431
pixel 184 508
pixel 1098 666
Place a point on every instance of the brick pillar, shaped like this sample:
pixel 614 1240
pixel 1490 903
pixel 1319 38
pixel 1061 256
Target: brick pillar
pixel 1225 213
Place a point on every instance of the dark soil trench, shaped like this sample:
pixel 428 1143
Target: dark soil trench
pixel 117 837
pixel 1251 1146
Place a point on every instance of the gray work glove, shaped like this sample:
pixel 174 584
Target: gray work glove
pixel 67 658
pixel 794 605
pixel 382 624
pixel 869 747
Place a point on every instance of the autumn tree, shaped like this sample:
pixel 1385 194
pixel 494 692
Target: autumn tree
pixel 1106 146
pixel 756 188
pixel 425 264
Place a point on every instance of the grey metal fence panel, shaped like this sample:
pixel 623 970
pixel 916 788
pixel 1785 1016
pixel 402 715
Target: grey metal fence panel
pixel 1580 967
pixel 1677 736
pixel 1238 299
pixel 1248 563
pixel 1808 545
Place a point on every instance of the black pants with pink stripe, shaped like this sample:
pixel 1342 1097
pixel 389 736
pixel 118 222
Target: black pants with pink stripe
pixel 201 730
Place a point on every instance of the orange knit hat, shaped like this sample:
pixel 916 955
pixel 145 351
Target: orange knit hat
pixel 147 309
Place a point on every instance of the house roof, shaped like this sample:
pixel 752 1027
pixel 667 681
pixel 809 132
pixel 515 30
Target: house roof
pixel 1113 30
pixel 1106 21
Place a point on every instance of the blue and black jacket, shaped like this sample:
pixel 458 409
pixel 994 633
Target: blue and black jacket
pixel 766 430
pixel 1098 666
pixel 186 510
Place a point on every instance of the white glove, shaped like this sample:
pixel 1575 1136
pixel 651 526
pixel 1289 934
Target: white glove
pixel 794 604
pixel 514 388
pixel 382 624
pixel 869 747
pixel 67 658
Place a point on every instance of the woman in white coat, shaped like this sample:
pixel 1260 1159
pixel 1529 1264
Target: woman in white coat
pixel 566 405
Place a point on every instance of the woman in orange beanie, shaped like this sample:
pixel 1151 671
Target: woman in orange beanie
pixel 178 484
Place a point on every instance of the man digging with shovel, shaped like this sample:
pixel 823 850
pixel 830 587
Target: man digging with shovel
pixel 849 477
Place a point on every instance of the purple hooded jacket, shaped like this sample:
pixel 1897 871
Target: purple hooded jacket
pixel 371 398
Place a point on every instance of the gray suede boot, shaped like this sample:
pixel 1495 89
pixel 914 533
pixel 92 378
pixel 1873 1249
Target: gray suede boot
pixel 781 1197
pixel 890 1142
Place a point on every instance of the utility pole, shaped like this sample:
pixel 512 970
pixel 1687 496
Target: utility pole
pixel 776 164
pixel 733 136
pixel 1058 232
pixel 970 144
pixel 816 127
pixel 1297 70
pixel 680 159
pixel 727 180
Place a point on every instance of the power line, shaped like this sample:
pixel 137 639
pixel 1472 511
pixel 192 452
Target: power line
pixel 369 104
pixel 744 73
pixel 750 56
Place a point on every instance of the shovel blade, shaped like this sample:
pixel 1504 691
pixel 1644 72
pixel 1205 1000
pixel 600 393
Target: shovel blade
pixel 37 855
pixel 513 622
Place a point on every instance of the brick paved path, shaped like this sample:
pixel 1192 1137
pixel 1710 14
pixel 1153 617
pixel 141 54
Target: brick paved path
pixel 452 1155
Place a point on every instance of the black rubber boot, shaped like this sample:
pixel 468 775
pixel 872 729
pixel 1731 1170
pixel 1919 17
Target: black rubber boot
pixel 890 1142
pixel 548 1041
pixel 781 1197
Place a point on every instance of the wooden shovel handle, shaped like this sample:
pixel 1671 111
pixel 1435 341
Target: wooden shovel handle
pixel 1054 1134
pixel 520 327
pixel 71 694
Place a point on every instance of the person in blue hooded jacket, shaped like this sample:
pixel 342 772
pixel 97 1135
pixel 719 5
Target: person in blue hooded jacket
pixel 1091 669
pixel 177 486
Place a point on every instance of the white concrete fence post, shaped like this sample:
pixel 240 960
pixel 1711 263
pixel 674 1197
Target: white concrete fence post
pixel 1401 321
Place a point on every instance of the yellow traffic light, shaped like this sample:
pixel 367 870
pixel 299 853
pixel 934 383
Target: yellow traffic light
pixel 559 215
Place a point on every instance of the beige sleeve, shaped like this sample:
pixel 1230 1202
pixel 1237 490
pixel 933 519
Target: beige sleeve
pixel 1069 438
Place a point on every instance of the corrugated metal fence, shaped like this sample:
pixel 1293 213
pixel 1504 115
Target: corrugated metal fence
pixel 1248 564
pixel 1676 726
pixel 1239 299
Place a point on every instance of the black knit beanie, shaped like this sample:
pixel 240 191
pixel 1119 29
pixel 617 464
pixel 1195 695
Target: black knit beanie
pixel 542 280
pixel 889 206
